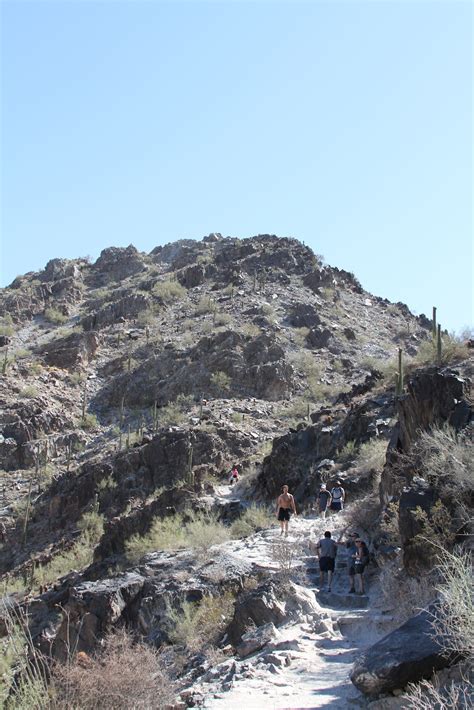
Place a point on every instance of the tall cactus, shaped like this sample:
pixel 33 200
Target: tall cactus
pixel 434 323
pixel 399 376
pixel 438 346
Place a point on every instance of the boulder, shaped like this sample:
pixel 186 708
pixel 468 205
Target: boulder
pixel 256 639
pixel 303 315
pixel 127 307
pixel 406 655
pixel 115 263
pixel 74 350
pixel 192 276
pixel 319 337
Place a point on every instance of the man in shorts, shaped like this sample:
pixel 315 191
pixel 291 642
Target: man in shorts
pixel 338 496
pixel 324 500
pixel 352 552
pixel 327 551
pixel 285 506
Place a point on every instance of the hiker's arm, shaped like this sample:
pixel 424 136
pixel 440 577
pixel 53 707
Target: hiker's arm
pixel 293 505
pixel 343 495
pixel 278 505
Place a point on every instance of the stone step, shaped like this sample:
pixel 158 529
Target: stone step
pixel 342 601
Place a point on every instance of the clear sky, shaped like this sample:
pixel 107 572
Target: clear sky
pixel 345 124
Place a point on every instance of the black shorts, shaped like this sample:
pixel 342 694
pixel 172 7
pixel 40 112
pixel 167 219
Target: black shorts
pixel 336 505
pixel 359 567
pixel 326 564
pixel 284 514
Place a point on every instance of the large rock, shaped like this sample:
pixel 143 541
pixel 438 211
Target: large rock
pixel 74 350
pixel 127 307
pixel 256 639
pixel 115 263
pixel 404 656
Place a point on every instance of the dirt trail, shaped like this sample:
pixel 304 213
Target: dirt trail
pixel 320 656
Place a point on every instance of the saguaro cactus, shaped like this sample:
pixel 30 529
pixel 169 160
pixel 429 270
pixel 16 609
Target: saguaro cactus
pixel 399 375
pixel 434 323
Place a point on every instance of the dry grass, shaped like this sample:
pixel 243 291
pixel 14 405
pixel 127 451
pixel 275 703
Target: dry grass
pixel 200 625
pixel 254 518
pixel 371 455
pixel 431 695
pixel 364 514
pixel 125 674
pixel 197 531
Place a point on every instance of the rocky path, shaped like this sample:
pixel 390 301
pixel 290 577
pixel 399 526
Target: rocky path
pixel 308 661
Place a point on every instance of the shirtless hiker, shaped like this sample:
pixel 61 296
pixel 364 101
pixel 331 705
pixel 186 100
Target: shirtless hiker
pixel 285 506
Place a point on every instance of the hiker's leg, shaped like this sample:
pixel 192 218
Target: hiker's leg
pixel 329 579
pixel 351 582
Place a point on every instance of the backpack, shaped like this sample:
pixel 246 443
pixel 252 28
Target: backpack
pixel 336 493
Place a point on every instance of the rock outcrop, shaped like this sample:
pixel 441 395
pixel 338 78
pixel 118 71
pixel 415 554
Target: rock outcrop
pixel 404 656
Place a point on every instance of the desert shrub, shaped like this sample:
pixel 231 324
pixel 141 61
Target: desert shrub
pixel 220 381
pixel 23 684
pixel 170 415
pixel 454 622
pixel 387 367
pixel 453 349
pixel 53 315
pixel 364 513
pixel 371 454
pixel 447 458
pixel 169 291
pixel 299 335
pixel 28 392
pixel 348 452
pixel 146 317
pixel 204 305
pixel 125 674
pixel 199 531
pixel 77 378
pixel 6 326
pixel 222 319
pixel 406 594
pixel 437 526
pixel 89 421
pixel 254 518
pixel 249 330
pixel 198 625
pixel 34 368
pixel 268 310
pixel 431 695
pixel 92 525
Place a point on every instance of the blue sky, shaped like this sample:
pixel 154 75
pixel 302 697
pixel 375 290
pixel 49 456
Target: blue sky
pixel 345 124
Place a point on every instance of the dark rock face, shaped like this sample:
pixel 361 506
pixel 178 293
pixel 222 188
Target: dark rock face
pixel 127 307
pixel 435 397
pixel 192 276
pixel 303 315
pixel 58 269
pixel 77 349
pixel 319 337
pixel 115 264
pixel 404 656
pixel 255 368
pixel 24 423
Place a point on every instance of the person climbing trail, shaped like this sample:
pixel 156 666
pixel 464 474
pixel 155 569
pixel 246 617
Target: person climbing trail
pixel 234 476
pixel 338 496
pixel 285 506
pixel 361 560
pixel 327 552
pixel 352 552
pixel 324 500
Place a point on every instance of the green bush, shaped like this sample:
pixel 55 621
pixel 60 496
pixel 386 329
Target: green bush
pixel 53 315
pixel 197 530
pixel 169 291
pixel 254 518
pixel 89 421
pixel 199 625
pixel 221 382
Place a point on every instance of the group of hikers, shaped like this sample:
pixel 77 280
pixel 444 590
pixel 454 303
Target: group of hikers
pixel 327 548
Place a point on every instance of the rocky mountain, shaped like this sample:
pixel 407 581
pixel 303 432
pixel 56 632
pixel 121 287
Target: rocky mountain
pixel 131 385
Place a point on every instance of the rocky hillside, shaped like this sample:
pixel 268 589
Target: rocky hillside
pixel 131 385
